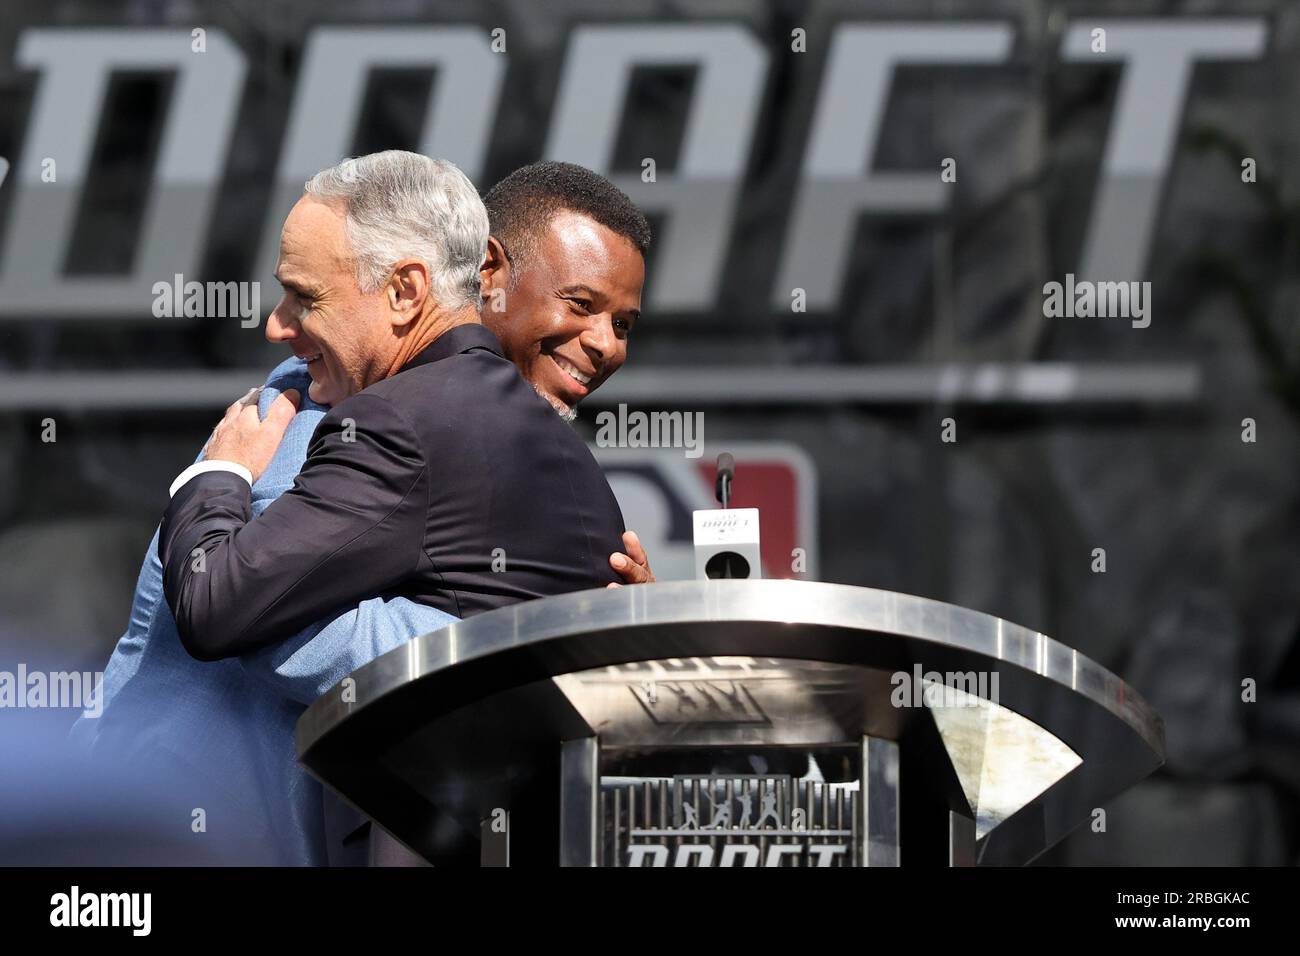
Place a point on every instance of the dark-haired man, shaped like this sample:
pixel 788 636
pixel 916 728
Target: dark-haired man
pixel 561 287
pixel 562 277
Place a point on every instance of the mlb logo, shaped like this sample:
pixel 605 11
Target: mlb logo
pixel 659 488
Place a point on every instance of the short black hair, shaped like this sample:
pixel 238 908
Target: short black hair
pixel 522 205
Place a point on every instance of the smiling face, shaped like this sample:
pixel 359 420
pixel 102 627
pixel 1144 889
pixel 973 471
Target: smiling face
pixel 323 316
pixel 565 320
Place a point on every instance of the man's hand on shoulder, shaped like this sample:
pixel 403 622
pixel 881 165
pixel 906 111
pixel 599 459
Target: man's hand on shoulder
pixel 633 567
pixel 242 437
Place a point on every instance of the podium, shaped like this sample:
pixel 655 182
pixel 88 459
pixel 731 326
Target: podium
pixel 731 723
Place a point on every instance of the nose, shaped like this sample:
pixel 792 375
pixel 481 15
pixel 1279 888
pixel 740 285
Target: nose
pixel 599 339
pixel 278 328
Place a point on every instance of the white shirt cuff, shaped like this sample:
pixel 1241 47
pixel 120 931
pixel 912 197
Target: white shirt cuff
pixel 199 467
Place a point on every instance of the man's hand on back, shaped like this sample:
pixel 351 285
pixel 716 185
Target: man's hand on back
pixel 633 567
pixel 246 439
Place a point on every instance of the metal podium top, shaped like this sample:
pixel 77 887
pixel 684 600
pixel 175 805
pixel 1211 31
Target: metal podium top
pixel 444 723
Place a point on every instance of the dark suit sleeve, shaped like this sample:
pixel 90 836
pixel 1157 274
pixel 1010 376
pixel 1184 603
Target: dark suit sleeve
pixel 351 527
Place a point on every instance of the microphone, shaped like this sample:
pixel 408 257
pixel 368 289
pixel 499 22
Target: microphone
pixel 726 540
pixel 726 472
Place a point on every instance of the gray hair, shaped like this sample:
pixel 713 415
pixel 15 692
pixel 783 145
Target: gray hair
pixel 403 205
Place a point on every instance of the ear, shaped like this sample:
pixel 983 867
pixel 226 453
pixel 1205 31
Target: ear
pixel 494 273
pixel 407 291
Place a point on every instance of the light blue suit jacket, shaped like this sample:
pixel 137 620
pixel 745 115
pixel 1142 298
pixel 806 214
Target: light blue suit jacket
pixel 225 730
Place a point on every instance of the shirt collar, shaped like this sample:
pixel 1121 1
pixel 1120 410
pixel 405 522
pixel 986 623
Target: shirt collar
pixel 458 339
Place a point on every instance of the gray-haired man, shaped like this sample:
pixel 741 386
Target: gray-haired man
pixel 436 460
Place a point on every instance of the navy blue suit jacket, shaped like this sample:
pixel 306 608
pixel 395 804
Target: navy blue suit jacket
pixel 451 483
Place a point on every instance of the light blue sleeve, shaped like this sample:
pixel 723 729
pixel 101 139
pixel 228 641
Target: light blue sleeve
pixel 307 665
pixel 129 652
pixel 310 663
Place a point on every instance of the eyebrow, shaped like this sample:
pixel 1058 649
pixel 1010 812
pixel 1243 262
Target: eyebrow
pixel 588 290
pixel 291 285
